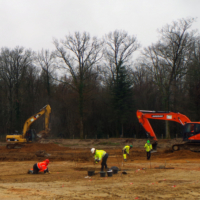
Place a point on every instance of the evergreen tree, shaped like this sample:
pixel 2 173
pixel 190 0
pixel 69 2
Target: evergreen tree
pixel 122 101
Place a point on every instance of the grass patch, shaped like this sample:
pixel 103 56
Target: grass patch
pixel 69 145
pixel 56 143
pixel 109 143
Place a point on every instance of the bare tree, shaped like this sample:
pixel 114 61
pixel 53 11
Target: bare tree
pixel 47 61
pixel 79 54
pixel 119 48
pixel 168 59
pixel 192 82
pixel 13 66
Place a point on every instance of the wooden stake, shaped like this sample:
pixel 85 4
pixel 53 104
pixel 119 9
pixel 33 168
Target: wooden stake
pixel 117 159
pixel 122 166
pixel 150 163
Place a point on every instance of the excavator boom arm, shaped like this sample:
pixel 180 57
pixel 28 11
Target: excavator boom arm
pixel 45 110
pixel 144 115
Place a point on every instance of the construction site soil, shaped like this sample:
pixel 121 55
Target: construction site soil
pixel 167 175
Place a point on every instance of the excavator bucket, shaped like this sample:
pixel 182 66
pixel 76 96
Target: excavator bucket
pixel 154 146
pixel 43 134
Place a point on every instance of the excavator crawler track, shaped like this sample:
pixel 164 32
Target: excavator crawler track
pixel 14 146
pixel 187 146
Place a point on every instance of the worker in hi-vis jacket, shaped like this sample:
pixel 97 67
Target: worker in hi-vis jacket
pixel 125 150
pixel 41 167
pixel 100 155
pixel 148 148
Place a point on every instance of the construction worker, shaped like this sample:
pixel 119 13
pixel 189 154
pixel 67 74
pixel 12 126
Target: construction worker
pixel 148 147
pixel 100 155
pixel 125 150
pixel 41 167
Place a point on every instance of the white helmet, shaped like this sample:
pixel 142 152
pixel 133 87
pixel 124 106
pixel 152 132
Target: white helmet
pixel 92 150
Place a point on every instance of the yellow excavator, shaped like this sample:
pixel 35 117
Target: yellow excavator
pixel 29 135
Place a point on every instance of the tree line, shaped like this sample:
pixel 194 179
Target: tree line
pixel 94 86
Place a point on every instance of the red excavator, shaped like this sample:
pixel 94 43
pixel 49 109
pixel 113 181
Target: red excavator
pixel 191 130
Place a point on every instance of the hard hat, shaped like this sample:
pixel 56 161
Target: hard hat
pixel 92 150
pixel 131 146
pixel 148 141
pixel 47 161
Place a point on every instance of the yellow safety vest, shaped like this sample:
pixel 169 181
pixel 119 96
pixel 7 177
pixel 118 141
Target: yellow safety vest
pixel 99 154
pixel 127 148
pixel 148 147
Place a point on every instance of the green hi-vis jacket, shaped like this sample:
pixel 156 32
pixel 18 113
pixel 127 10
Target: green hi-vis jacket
pixel 99 154
pixel 127 148
pixel 148 147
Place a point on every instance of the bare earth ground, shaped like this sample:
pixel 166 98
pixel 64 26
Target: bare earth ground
pixel 70 161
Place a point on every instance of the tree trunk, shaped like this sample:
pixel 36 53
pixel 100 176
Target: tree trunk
pixel 81 128
pixel 167 130
pixel 122 135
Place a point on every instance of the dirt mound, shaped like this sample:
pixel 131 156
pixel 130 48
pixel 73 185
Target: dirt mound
pixel 79 150
pixel 186 154
pixel 44 147
pixel 33 147
pixel 51 151
pixel 182 154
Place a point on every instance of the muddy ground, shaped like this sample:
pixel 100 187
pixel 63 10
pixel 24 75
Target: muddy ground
pixel 168 175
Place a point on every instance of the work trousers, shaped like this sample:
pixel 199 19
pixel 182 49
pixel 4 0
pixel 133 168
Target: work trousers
pixel 103 163
pixel 124 153
pixel 35 169
pixel 148 155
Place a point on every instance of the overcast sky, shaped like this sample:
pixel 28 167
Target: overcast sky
pixel 34 23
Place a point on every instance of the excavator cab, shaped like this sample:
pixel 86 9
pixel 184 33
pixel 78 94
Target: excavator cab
pixel 31 135
pixel 191 132
pixel 154 145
